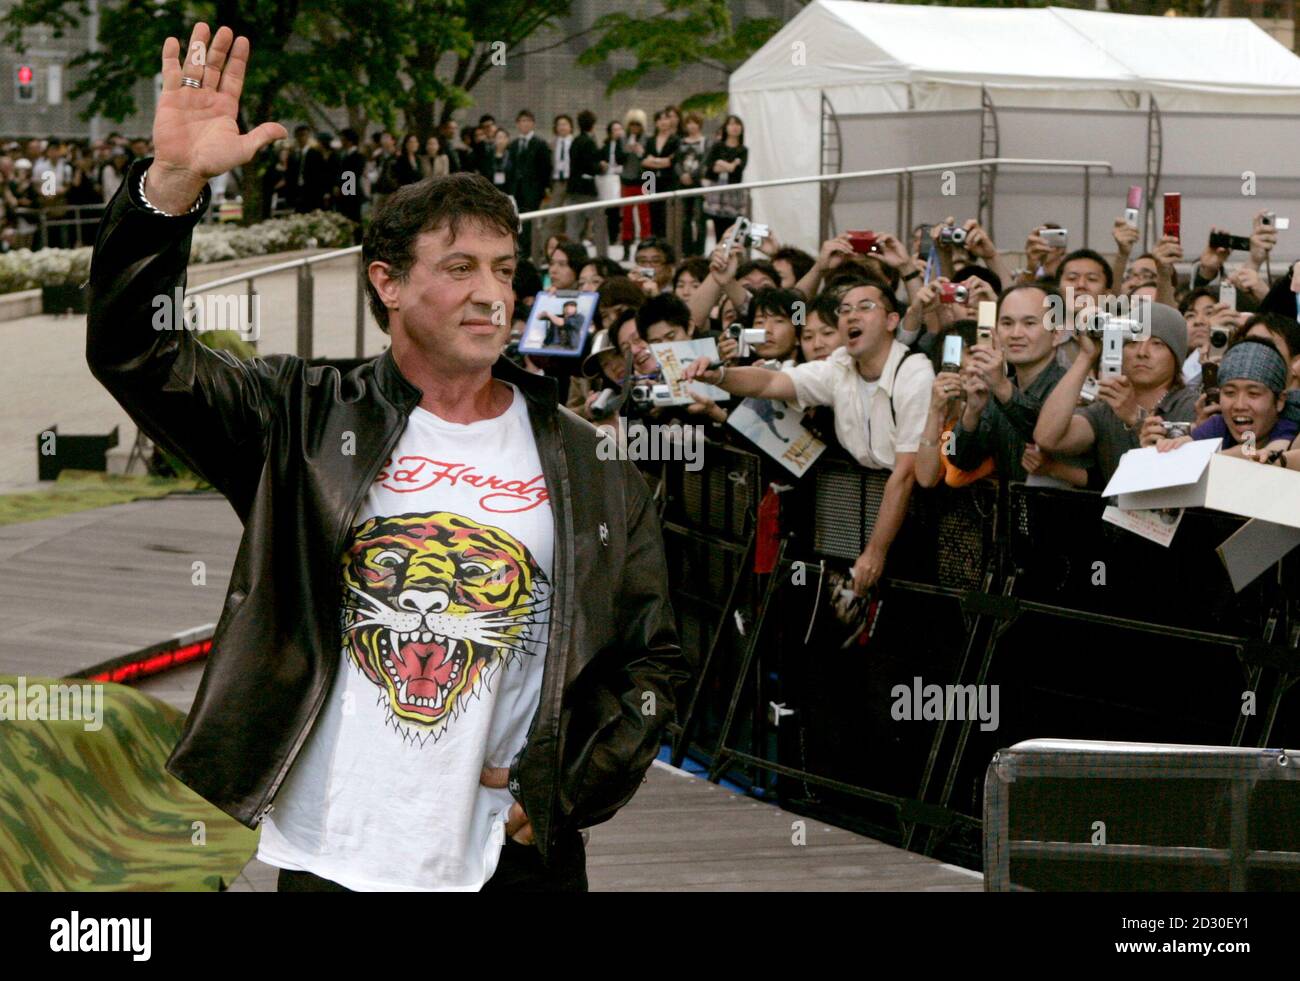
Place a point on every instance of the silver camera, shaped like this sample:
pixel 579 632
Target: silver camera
pixel 746 338
pixel 747 233
pixel 1088 393
pixel 654 395
pixel 1173 430
pixel 953 235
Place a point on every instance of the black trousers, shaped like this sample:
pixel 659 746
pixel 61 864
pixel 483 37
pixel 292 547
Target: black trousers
pixel 520 869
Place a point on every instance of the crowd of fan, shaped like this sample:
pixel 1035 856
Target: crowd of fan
pixel 352 175
pixel 854 338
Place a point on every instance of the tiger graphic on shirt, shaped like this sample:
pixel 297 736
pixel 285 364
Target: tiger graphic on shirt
pixel 436 606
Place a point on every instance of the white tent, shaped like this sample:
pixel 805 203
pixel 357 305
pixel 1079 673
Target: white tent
pixel 876 58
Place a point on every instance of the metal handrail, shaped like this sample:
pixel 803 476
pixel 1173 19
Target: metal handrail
pixel 304 263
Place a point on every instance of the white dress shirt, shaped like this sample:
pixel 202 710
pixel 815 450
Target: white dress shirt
pixel 864 424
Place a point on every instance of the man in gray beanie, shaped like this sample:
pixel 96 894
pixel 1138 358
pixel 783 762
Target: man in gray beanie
pixel 1252 378
pixel 1150 385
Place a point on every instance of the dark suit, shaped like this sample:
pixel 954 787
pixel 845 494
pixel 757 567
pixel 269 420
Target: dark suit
pixel 584 165
pixel 532 166
pixel 352 170
pixel 310 179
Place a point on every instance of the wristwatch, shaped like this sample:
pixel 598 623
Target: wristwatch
pixel 914 274
pixel 158 211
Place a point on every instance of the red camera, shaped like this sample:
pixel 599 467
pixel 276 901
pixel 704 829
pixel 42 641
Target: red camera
pixel 863 241
pixel 1173 214
pixel 953 293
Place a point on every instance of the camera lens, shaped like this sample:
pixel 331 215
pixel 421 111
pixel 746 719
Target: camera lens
pixel 958 236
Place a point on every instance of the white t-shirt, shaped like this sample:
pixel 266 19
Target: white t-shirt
pixel 445 617
pixel 864 421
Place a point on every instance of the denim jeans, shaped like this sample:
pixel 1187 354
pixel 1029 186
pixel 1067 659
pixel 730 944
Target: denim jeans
pixel 520 869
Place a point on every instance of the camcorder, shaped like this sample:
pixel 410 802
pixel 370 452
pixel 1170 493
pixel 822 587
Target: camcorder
pixel 746 338
pixel 1114 332
pixel 953 293
pixel 1234 243
pixel 746 233
pixel 1173 430
pixel 651 394
pixel 951 235
pixel 864 242
pixel 1056 238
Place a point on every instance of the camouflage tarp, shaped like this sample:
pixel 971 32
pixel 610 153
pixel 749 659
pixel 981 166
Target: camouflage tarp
pixel 85 808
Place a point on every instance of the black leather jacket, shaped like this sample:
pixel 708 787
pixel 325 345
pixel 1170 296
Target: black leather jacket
pixel 267 433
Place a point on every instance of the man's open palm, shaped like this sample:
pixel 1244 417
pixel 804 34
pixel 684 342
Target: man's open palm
pixel 195 133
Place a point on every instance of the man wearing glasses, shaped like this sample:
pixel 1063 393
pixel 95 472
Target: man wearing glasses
pixel 879 394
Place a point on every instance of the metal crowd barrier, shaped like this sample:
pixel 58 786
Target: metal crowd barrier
pixel 986 585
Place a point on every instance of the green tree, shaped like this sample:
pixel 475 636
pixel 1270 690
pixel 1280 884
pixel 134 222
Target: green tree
pixel 381 60
pixel 684 33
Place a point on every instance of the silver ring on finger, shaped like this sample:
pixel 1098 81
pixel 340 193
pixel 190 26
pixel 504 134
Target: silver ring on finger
pixel 193 83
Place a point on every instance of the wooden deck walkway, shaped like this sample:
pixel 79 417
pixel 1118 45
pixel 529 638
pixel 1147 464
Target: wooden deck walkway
pixel 86 587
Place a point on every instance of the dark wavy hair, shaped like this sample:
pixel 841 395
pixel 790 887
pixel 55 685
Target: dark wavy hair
pixel 429 205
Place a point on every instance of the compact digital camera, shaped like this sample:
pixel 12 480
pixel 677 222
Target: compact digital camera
pixel 1173 430
pixel 953 293
pixel 952 235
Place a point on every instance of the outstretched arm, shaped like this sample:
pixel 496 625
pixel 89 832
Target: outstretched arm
pixel 207 407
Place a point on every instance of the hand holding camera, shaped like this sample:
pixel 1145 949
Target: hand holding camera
pixel 989 363
pixel 946 389
pixel 891 251
pixel 1117 392
pixel 1262 238
pixel 977 397
pixel 1153 430
pixel 978 242
pixel 928 296
pixel 1126 236
pixel 1215 253
pixel 723 263
pixel 728 347
pixel 1167 252
pixel 834 250
pixel 1207 404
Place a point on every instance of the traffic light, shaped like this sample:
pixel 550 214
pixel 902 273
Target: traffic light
pixel 24 83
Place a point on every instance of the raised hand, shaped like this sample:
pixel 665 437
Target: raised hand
pixel 195 132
